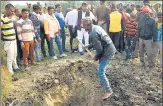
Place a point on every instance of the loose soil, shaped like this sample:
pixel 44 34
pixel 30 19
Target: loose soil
pixel 73 82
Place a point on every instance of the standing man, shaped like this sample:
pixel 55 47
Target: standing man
pixel 71 21
pixel 60 18
pixel 115 25
pixel 34 17
pixel 26 35
pixel 52 30
pixel 8 35
pixel 81 33
pixel 146 31
pixel 42 34
pixel 102 13
pixel 105 50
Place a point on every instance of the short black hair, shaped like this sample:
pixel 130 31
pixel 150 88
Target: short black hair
pixel 8 6
pixel 25 10
pixel 132 15
pixel 83 4
pixel 159 14
pixel 128 10
pixel 49 8
pixel 138 6
pixel 57 5
pixel 132 5
pixel 36 7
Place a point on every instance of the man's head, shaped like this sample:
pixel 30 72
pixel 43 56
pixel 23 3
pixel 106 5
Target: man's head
pixel 36 8
pixel 132 7
pixel 17 12
pixel 25 13
pixel 84 7
pixel 138 7
pixel 58 8
pixel 40 11
pixel 74 6
pixel 132 17
pixel 9 10
pixel 146 10
pixel 113 7
pixel 102 2
pixel 50 10
pixel 87 23
pixel 159 16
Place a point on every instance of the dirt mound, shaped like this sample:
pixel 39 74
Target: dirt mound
pixel 74 84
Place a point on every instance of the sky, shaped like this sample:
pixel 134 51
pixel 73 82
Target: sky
pixel 23 2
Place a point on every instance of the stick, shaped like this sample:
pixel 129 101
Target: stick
pixel 86 49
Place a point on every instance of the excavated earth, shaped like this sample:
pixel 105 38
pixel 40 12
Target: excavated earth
pixel 73 82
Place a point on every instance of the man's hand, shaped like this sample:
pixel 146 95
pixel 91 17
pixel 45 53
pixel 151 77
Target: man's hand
pixel 36 41
pixel 48 36
pixel 73 30
pixel 39 39
pixel 22 45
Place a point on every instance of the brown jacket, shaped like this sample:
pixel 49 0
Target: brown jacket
pixel 102 12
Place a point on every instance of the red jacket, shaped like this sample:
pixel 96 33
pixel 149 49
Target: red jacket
pixel 130 28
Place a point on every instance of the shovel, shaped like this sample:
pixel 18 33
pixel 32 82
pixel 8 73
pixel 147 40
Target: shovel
pixel 86 49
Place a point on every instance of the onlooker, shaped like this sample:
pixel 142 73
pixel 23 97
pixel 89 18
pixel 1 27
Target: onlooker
pixel 102 13
pixel 60 18
pixel 115 25
pixel 8 35
pixel 158 39
pixel 81 33
pixel 34 17
pixel 68 10
pixel 26 35
pixel 134 11
pixel 146 32
pixel 15 18
pixel 52 30
pixel 130 34
pixel 71 21
pixel 42 34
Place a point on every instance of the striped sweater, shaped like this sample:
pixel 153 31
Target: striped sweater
pixel 131 28
pixel 25 30
pixel 7 28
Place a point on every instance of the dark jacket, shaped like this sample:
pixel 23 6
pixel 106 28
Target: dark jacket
pixel 80 18
pixel 147 28
pixel 101 42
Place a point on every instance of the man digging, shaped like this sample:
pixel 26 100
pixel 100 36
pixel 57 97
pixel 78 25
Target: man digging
pixel 105 50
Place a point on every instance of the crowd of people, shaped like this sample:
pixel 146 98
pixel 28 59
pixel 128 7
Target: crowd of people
pixel 134 29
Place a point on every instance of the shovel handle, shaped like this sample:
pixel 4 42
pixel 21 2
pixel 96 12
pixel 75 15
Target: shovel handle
pixel 86 49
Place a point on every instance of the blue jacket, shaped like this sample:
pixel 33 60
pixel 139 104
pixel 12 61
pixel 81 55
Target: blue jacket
pixel 60 19
pixel 158 36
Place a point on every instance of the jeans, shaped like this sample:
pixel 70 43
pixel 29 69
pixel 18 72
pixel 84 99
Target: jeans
pixel 130 46
pixel 72 35
pixel 121 41
pixel 63 38
pixel 37 51
pixel 102 76
pixel 51 45
pixel 43 38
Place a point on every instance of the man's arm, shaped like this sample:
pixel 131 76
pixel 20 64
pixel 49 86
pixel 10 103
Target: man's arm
pixel 19 31
pixel 154 30
pixel 98 47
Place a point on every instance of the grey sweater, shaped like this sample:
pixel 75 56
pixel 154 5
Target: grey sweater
pixel 101 42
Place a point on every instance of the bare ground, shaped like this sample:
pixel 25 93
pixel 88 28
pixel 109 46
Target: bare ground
pixel 72 81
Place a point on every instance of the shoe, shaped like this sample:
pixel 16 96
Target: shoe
pixel 81 53
pixel 16 70
pixel 55 57
pixel 63 55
